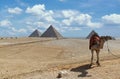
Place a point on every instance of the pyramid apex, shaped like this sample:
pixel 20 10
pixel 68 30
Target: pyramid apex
pixel 36 29
pixel 35 33
pixel 91 33
pixel 51 26
pixel 51 32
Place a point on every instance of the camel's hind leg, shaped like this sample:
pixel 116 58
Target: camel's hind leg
pixel 97 53
pixel 91 58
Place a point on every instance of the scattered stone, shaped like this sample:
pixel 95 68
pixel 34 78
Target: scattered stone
pixel 62 73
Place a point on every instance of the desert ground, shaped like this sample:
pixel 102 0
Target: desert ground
pixel 44 58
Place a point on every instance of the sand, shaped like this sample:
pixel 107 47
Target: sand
pixel 44 58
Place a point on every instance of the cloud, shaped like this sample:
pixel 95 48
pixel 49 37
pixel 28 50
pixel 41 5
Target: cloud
pixel 40 24
pixel 69 13
pixel 94 25
pixel 5 23
pixel 13 32
pixel 72 28
pixel 7 29
pixel 40 11
pixel 18 30
pixel 36 9
pixel 62 20
pixel 111 19
pixel 31 26
pixel 83 19
pixel 67 21
pixel 15 10
pixel 72 17
pixel 48 16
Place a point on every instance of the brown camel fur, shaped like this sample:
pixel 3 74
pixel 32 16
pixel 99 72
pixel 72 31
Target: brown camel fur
pixel 97 47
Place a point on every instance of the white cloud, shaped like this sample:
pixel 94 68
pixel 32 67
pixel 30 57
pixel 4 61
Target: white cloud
pixel 40 11
pixel 36 9
pixel 83 19
pixel 18 30
pixel 5 23
pixel 72 17
pixel 94 25
pixel 9 30
pixel 72 28
pixel 60 19
pixel 15 10
pixel 48 15
pixel 22 30
pixel 69 13
pixel 67 22
pixel 40 24
pixel 111 19
pixel 32 28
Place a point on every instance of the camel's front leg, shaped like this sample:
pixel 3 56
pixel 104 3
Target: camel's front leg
pixel 97 52
pixel 91 58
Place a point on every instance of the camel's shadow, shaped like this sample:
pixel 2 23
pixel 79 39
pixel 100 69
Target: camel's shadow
pixel 83 70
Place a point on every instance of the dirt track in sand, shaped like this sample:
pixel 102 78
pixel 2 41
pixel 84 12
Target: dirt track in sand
pixel 28 61
pixel 109 70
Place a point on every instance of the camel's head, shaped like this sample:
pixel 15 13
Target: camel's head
pixel 106 38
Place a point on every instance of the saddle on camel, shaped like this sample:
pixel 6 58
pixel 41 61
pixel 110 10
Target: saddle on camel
pixel 94 41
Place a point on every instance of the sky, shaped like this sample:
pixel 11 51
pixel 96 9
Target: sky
pixel 72 18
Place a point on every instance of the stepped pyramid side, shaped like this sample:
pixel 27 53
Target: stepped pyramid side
pixel 36 33
pixel 91 33
pixel 51 32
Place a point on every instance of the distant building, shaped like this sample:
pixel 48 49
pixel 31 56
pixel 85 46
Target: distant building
pixel 51 32
pixel 90 34
pixel 36 33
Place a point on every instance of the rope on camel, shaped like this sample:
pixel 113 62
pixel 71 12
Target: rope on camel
pixel 109 51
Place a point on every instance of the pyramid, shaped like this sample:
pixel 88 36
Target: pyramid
pixel 91 33
pixel 51 32
pixel 36 33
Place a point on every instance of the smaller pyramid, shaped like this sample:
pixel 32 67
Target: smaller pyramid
pixel 51 32
pixel 90 34
pixel 36 33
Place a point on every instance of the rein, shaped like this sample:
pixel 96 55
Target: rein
pixel 109 51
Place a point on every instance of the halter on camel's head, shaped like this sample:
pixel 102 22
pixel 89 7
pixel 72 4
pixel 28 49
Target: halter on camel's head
pixel 106 38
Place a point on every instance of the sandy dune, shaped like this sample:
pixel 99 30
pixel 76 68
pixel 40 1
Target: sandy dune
pixel 43 58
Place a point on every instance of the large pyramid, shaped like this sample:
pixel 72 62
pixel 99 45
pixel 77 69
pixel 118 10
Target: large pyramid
pixel 36 33
pixel 91 33
pixel 51 32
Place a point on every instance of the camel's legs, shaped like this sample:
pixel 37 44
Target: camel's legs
pixel 97 53
pixel 91 58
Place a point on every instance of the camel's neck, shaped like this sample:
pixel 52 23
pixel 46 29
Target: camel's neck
pixel 102 41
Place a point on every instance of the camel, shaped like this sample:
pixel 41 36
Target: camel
pixel 97 48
